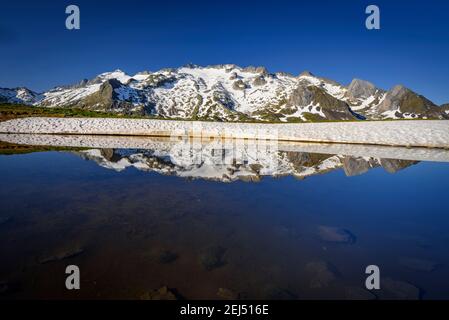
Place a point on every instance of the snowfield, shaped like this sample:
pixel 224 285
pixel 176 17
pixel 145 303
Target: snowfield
pixel 409 133
pixel 261 146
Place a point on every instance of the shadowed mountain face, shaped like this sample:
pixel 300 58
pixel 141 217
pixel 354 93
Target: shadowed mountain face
pixel 405 102
pixel 232 93
pixel 361 89
pixel 228 165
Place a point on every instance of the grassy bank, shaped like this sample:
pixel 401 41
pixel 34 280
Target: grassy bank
pixel 14 111
pixel 11 149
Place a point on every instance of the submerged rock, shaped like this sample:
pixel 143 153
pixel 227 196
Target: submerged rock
pixel 165 256
pixel 337 235
pixel 418 264
pixel 212 257
pixel 398 290
pixel 227 294
pixel 61 255
pixel 163 293
pixel 321 273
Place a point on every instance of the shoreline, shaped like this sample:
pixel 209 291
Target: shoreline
pixel 159 143
pixel 402 133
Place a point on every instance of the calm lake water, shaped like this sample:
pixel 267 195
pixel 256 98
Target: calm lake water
pixel 210 224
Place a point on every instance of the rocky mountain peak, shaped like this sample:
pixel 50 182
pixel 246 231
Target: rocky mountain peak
pixel 406 103
pixel 361 89
pixel 399 91
pixel 306 73
pixel 258 70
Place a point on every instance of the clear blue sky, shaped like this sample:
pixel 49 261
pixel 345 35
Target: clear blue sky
pixel 327 38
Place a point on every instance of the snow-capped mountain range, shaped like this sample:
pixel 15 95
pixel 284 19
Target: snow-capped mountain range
pixel 232 93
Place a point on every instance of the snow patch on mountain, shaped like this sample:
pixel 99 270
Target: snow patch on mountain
pixel 60 97
pixel 19 95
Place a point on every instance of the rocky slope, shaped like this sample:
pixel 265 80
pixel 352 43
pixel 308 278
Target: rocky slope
pixel 232 93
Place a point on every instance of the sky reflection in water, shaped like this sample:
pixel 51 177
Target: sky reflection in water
pixel 136 220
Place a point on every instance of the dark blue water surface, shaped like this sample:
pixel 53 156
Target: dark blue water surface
pixel 133 232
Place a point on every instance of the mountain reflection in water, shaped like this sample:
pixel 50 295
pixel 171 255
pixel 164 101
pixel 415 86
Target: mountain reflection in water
pixel 159 224
pixel 229 165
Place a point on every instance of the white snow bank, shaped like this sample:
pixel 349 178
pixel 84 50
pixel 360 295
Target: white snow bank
pixel 160 143
pixel 410 133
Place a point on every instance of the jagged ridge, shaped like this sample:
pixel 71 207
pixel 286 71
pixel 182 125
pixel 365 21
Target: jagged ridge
pixel 232 93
